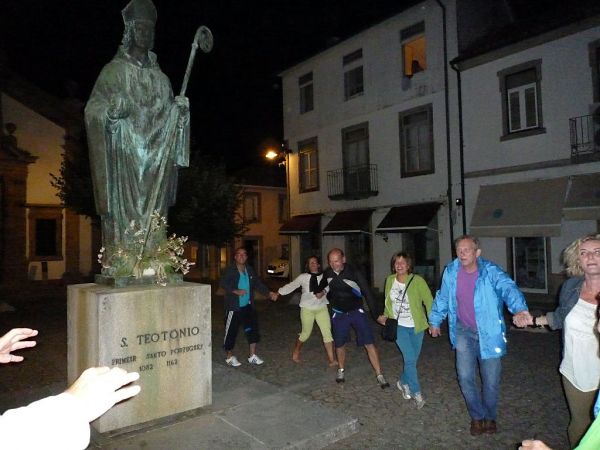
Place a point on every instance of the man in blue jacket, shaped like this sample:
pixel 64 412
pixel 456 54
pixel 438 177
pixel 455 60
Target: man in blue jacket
pixel 239 282
pixel 472 295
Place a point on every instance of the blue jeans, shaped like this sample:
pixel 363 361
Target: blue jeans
pixel 410 344
pixel 481 402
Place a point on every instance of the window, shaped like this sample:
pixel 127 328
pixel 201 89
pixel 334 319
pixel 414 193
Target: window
pixel 594 49
pixel 530 263
pixel 355 148
pixel 251 207
pixel 282 207
pixel 309 165
pixel 416 142
pixel 353 76
pixel 45 234
pixel 306 92
pixel 521 100
pixel 414 58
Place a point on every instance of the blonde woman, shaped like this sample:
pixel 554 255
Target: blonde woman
pixel 575 315
pixel 407 298
pixel 312 308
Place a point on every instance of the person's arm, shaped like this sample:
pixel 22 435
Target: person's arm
pixel 62 421
pixel 439 307
pixel 374 307
pixel 425 294
pixel 228 281
pixel 291 286
pixel 513 298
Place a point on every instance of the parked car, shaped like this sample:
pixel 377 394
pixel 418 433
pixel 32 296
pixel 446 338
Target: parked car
pixel 279 268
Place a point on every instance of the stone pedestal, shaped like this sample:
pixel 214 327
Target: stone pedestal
pixel 164 333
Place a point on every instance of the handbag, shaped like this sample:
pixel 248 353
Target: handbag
pixel 390 329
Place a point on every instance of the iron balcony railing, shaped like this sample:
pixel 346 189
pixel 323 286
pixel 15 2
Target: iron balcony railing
pixel 585 138
pixel 352 182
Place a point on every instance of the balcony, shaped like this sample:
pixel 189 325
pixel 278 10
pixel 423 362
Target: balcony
pixel 585 138
pixel 352 183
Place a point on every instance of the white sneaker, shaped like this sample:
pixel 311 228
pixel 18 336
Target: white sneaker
pixel 419 400
pixel 254 359
pixel 233 362
pixel 404 389
pixel 381 381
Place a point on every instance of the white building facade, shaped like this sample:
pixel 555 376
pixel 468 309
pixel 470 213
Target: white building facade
pixel 366 123
pixel 532 149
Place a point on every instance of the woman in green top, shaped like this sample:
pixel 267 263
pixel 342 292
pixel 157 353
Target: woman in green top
pixel 407 299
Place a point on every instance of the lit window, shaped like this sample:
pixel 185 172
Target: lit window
pixel 414 49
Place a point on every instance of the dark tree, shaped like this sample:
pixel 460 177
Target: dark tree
pixel 208 202
pixel 74 183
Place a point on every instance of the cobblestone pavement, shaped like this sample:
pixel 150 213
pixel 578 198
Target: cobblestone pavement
pixel 531 403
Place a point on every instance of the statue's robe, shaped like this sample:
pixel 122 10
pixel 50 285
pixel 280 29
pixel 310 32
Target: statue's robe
pixel 134 159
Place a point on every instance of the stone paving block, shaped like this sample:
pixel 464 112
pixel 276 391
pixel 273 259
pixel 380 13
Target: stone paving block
pixel 285 420
pixel 203 432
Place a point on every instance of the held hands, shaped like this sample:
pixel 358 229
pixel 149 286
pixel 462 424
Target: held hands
pixel 320 295
pixel 522 319
pixel 14 340
pixel 273 296
pixel 381 320
pixel 434 331
pixel 99 388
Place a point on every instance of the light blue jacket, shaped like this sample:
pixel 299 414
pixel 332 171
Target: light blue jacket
pixel 493 288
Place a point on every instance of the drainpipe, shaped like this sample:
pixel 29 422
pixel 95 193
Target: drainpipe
pixel 461 147
pixel 447 106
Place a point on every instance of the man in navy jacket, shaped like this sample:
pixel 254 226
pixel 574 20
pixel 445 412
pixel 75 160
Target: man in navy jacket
pixel 239 282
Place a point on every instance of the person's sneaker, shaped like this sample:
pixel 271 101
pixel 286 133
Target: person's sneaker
pixel 340 377
pixel 254 359
pixel 233 362
pixel 381 381
pixel 419 400
pixel 404 389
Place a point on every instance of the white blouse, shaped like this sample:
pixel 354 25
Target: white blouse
pixel 307 299
pixel 581 363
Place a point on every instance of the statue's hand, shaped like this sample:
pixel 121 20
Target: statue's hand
pixel 183 103
pixel 117 109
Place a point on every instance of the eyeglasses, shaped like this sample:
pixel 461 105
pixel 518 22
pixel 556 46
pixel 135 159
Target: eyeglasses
pixel 586 253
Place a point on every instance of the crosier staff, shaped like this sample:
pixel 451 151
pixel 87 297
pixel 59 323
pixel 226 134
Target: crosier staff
pixel 203 39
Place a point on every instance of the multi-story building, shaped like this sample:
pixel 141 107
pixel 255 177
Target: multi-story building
pixel 263 211
pixel 367 122
pixel 531 124
pixel 39 239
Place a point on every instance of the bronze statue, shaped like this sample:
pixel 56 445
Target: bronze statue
pixel 138 133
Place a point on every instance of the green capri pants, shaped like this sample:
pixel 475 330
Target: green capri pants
pixel 308 318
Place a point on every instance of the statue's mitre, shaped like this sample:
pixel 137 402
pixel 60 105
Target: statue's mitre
pixel 139 10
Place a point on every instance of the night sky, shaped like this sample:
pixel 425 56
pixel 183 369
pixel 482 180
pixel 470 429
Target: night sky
pixel 234 90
